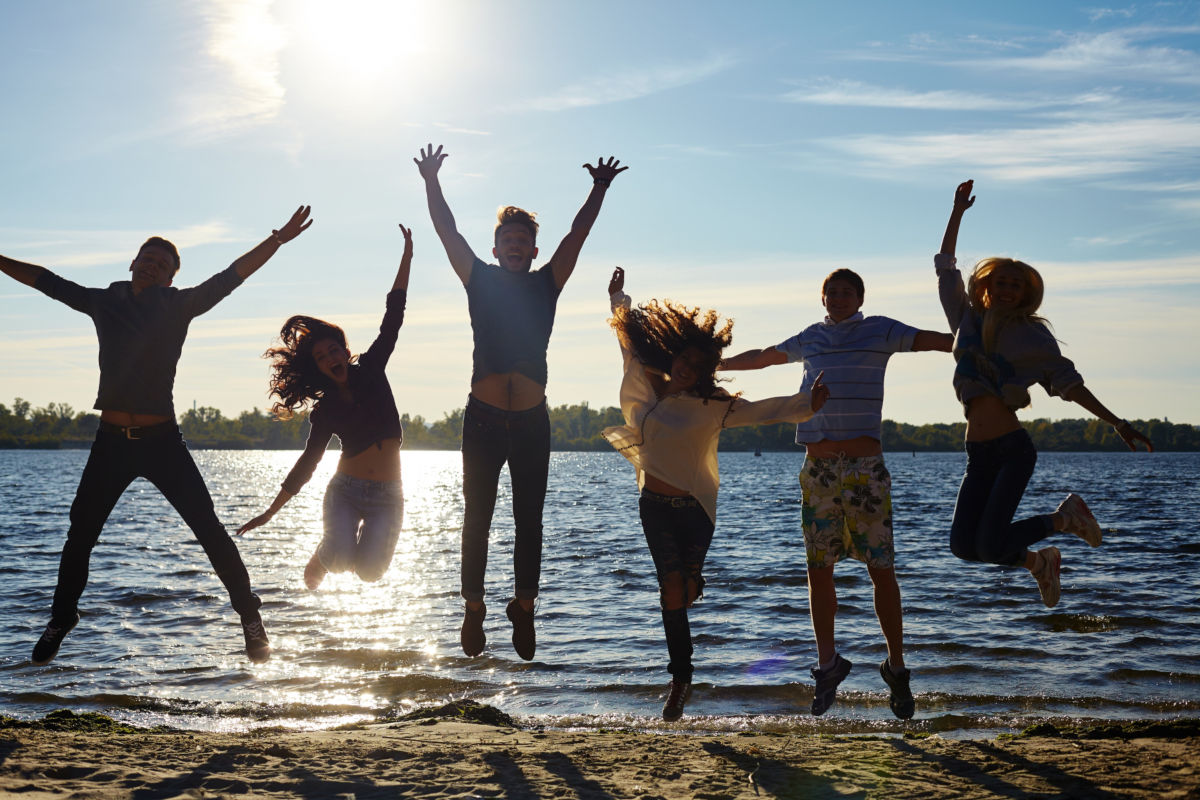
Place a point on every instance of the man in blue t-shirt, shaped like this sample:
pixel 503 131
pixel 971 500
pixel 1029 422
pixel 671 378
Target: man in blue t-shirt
pixel 141 325
pixel 512 313
pixel 847 499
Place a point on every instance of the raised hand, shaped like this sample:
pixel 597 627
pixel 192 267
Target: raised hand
pixel 1131 436
pixel 430 161
pixel 295 226
pixel 407 236
pixel 604 172
pixel 962 196
pixel 617 283
pixel 818 393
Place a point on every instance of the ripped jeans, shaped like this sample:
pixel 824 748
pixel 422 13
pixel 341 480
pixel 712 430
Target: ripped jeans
pixel 678 532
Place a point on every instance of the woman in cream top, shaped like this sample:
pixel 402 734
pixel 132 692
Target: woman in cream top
pixel 674 414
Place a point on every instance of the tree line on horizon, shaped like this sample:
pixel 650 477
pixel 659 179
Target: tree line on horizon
pixel 572 427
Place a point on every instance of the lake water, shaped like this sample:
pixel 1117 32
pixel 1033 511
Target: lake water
pixel 159 644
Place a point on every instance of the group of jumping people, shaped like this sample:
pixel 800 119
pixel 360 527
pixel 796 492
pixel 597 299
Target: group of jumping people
pixel 673 409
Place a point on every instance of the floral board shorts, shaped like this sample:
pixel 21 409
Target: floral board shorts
pixel 847 511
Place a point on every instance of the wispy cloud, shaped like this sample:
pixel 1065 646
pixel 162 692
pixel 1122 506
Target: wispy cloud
pixel 1077 149
pixel 1097 14
pixel 615 88
pixel 1112 54
pixel 239 87
pixel 78 249
pixel 833 92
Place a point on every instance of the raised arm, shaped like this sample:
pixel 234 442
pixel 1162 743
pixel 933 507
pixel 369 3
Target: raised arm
pixel 1131 436
pixel 457 250
pixel 754 359
pixel 20 271
pixel 933 340
pixel 401 281
pixel 962 201
pixel 249 263
pixel 563 261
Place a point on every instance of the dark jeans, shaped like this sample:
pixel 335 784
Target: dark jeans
pixel 983 529
pixel 164 460
pixel 678 532
pixel 491 437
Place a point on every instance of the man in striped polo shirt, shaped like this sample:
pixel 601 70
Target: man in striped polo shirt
pixel 847 509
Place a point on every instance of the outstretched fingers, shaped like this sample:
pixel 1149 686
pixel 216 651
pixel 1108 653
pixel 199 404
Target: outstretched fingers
pixel 295 226
pixel 430 160
pixel 605 170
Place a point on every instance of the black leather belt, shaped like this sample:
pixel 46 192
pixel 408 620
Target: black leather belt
pixel 140 431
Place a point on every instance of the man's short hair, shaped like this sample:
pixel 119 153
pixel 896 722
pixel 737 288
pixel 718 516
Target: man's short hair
pixel 849 276
pixel 511 215
pixel 158 241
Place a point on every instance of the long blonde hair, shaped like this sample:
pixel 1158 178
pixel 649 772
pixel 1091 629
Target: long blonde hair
pixel 979 285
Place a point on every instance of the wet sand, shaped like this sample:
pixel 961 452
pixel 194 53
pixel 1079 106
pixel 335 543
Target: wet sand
pixel 449 755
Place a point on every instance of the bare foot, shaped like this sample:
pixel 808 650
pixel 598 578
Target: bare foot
pixel 314 572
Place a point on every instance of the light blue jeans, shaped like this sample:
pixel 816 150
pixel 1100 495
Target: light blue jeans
pixel 362 524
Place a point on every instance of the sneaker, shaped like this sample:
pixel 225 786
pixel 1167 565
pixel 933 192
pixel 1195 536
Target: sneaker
pixel 314 573
pixel 1080 520
pixel 524 639
pixel 1049 563
pixel 258 646
pixel 471 636
pixel 677 697
pixel 901 700
pixel 825 692
pixel 47 647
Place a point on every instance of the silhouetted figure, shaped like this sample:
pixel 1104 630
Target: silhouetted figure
pixel 351 398
pixel 846 487
pixel 1001 348
pixel 141 324
pixel 674 414
pixel 512 313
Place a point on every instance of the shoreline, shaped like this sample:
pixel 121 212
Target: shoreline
pixel 470 750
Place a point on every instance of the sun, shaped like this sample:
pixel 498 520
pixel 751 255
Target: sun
pixel 363 43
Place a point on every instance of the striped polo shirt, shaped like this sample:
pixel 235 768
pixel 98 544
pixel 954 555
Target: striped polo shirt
pixel 853 354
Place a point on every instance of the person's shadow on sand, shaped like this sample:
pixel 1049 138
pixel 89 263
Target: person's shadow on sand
pixel 773 778
pixel 987 773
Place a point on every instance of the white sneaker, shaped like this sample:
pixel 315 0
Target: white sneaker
pixel 1080 520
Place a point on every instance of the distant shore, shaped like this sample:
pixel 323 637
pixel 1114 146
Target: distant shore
pixel 467 750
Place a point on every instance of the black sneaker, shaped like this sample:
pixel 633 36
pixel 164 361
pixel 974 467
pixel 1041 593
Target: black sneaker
pixel 825 692
pixel 471 636
pixel 258 646
pixel 524 639
pixel 677 697
pixel 901 700
pixel 47 647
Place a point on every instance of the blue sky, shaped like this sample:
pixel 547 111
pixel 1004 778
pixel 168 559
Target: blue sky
pixel 768 144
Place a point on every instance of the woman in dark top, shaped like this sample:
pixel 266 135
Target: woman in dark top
pixel 349 397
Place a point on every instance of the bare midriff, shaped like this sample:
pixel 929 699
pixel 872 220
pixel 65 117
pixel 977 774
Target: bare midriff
pixel 510 391
pixel 858 447
pixel 658 486
pixel 989 418
pixel 128 420
pixel 379 462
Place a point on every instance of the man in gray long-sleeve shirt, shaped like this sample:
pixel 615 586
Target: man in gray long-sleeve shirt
pixel 141 325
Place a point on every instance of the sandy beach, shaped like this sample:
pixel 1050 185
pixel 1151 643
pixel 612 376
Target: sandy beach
pixel 448 754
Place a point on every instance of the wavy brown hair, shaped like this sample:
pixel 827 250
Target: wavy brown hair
pixel 512 215
pixel 657 332
pixel 295 380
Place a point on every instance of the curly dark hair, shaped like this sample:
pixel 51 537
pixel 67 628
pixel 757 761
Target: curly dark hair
pixel 295 379
pixel 657 332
